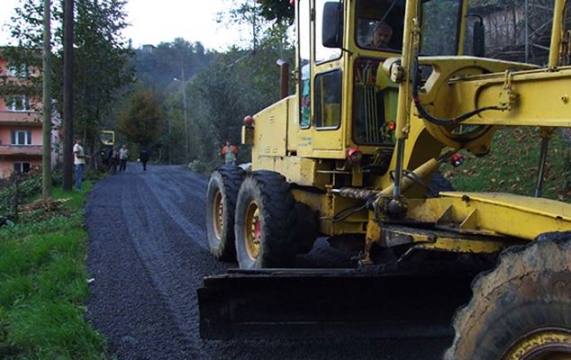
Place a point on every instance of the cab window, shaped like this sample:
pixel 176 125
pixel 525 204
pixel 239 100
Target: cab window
pixel 327 99
pixel 379 24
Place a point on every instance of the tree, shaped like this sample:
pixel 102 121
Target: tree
pixel 279 10
pixel 156 68
pixel 239 83
pixel 141 121
pixel 267 19
pixel 102 62
pixel 101 65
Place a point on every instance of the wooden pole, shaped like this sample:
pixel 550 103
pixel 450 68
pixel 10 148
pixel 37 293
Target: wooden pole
pixel 68 96
pixel 47 106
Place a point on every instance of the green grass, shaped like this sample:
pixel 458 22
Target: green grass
pixel 512 166
pixel 43 285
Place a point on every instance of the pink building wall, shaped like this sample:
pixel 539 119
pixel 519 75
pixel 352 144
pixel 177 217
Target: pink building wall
pixel 28 124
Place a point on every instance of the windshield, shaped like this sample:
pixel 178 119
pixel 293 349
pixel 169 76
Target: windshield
pixel 440 27
pixel 379 25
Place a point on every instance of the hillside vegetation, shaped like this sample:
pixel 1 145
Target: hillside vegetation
pixel 512 165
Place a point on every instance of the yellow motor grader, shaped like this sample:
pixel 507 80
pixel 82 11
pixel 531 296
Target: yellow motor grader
pixel 354 155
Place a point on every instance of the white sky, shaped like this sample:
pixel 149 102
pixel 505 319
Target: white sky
pixel 155 21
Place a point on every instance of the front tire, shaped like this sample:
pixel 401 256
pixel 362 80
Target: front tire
pixel 265 222
pixel 221 196
pixel 306 229
pixel 522 309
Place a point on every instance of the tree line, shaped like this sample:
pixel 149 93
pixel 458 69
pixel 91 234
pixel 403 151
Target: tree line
pixel 179 99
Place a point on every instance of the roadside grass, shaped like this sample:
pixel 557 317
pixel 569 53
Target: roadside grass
pixel 512 166
pixel 43 283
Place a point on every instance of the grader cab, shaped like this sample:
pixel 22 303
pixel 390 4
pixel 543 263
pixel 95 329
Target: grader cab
pixel 107 142
pixel 384 95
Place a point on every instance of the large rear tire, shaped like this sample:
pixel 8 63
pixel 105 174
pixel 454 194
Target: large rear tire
pixel 265 222
pixel 306 229
pixel 221 196
pixel 521 309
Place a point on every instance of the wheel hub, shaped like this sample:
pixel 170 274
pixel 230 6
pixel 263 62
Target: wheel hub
pixel 541 344
pixel 218 215
pixel 253 231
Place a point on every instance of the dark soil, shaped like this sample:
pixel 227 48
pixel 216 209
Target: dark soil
pixel 147 256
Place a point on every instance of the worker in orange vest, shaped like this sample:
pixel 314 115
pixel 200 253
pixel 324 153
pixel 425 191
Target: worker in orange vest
pixel 229 153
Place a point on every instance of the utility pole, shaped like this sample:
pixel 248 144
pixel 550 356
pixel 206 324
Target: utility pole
pixel 170 140
pixel 185 113
pixel 67 95
pixel 47 106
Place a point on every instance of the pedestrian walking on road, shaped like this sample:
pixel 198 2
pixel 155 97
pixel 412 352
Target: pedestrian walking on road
pixel 114 160
pixel 79 157
pixel 144 156
pixel 123 156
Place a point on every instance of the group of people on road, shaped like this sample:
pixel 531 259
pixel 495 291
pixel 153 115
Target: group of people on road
pixel 116 160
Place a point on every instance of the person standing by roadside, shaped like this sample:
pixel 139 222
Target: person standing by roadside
pixel 113 160
pixel 229 153
pixel 144 156
pixel 123 156
pixel 79 157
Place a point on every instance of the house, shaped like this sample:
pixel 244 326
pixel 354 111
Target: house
pixel 148 49
pixel 21 139
pixel 506 23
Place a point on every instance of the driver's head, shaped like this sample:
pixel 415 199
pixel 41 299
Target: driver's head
pixel 381 35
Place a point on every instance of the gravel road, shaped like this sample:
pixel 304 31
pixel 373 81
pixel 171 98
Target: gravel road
pixel 148 255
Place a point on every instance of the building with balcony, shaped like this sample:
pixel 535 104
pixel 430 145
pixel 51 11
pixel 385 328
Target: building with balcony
pixel 21 139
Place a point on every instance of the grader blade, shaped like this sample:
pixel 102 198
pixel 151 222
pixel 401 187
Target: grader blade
pixel 322 303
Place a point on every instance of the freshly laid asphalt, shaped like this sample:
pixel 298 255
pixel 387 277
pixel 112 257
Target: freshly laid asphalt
pixel 148 255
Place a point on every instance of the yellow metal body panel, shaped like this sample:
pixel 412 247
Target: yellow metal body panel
pixel 292 124
pixel 328 206
pixel 457 244
pixel 552 108
pixel 387 236
pixel 299 171
pixel 493 214
pixel 270 134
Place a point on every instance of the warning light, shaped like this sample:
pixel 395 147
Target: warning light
pixel 392 125
pixel 355 156
pixel 457 159
pixel 248 120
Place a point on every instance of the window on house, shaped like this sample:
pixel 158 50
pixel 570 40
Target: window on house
pixel 18 103
pixel 21 137
pixel 21 167
pixel 18 71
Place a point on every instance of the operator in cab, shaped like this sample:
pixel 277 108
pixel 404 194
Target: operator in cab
pixel 381 36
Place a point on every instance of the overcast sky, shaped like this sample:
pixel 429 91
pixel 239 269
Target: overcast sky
pixel 155 21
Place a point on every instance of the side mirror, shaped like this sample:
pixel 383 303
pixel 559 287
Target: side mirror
pixel 479 36
pixel 332 29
